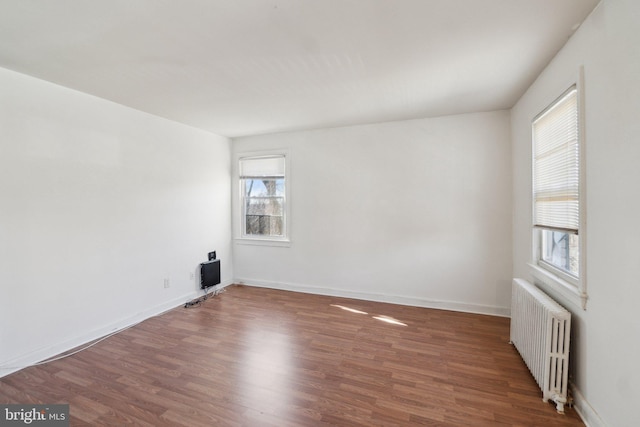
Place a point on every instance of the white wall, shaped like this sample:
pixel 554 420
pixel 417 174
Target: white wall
pixel 99 204
pixel 415 212
pixel 606 338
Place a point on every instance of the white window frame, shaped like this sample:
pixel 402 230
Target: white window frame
pixel 574 289
pixel 239 221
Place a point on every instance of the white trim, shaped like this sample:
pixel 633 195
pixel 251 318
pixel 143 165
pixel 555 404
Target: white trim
pixel 586 412
pixel 262 242
pixel 41 354
pixel 564 288
pixel 388 298
pixel 582 281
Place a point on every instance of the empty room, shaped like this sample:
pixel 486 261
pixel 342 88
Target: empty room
pixel 319 213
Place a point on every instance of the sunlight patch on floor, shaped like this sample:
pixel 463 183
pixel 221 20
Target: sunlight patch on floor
pixel 382 318
pixel 349 309
pixel 391 320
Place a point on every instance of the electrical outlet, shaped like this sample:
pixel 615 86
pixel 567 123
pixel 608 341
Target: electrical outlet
pixel 166 283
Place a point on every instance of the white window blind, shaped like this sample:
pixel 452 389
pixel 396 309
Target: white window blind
pixel 556 166
pixel 262 167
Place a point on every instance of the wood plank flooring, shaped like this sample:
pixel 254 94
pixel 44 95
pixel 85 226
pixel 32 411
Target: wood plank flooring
pixel 262 357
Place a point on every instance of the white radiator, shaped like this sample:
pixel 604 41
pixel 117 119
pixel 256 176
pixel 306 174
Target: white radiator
pixel 540 329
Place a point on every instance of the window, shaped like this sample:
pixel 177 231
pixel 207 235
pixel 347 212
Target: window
pixel 561 250
pixel 556 183
pixel 263 197
pixel 557 192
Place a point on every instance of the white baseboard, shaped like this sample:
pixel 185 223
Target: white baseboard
pixel 589 416
pixel 393 299
pixel 45 353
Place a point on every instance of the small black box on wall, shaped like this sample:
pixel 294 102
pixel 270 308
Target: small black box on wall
pixel 209 273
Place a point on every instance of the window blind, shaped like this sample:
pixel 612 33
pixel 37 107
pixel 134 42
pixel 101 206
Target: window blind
pixel 262 167
pixel 556 166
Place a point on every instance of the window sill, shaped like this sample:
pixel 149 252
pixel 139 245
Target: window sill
pixel 263 242
pixel 569 291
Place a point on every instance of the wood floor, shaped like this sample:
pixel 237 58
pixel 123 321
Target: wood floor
pixel 261 357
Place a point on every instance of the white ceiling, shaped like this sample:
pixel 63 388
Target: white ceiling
pixel 243 67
